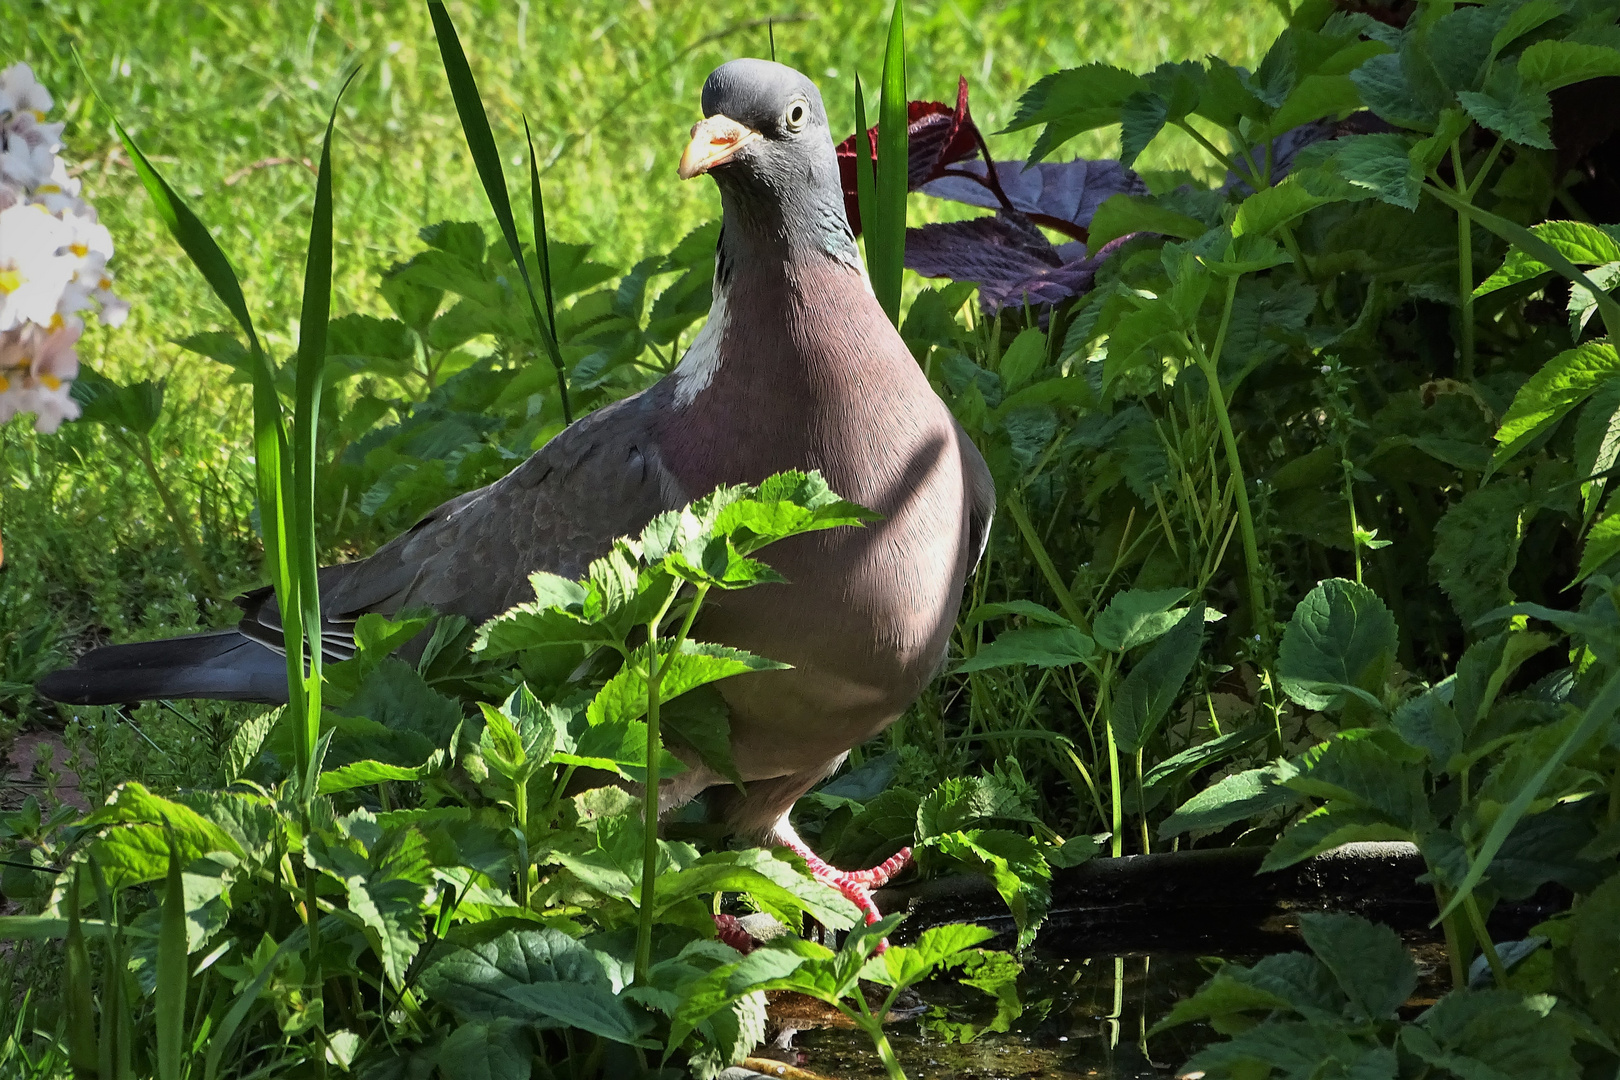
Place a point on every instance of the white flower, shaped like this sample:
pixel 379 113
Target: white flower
pixel 32 274
pixel 20 92
pixel 25 165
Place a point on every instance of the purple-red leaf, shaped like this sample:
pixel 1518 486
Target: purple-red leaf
pixel 1061 195
pixel 1011 261
pixel 938 134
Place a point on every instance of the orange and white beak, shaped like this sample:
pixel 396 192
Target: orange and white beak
pixel 715 141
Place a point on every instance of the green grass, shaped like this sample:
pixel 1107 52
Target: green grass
pixel 216 93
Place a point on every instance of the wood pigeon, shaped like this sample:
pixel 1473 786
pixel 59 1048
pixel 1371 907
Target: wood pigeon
pixel 797 367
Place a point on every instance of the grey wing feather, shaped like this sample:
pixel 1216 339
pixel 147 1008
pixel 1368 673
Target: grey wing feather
pixel 599 479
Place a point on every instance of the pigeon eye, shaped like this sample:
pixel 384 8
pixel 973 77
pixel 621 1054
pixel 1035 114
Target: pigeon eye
pixel 795 116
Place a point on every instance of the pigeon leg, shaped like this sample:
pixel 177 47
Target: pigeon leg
pixel 856 885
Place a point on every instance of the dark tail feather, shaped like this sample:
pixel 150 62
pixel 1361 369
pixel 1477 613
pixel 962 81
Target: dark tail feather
pixel 225 665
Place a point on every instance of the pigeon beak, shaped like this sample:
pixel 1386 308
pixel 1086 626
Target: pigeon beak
pixel 715 141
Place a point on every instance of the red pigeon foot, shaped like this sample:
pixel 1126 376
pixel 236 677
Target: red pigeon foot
pixel 856 885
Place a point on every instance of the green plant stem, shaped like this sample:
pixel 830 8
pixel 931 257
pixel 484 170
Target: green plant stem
pixel 1350 501
pixel 1141 807
pixel 1210 363
pixel 1483 935
pixel 873 1026
pixel 1454 943
pixel 520 811
pixel 1465 274
pixel 1116 839
pixel 649 798
pixel 142 447
pixel 1214 152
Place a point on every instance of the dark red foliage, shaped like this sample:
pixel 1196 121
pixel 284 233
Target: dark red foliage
pixel 937 135
pixel 1010 260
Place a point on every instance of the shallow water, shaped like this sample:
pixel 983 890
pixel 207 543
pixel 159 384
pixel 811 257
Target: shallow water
pixel 1083 1018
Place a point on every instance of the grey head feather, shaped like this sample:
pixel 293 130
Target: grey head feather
pixel 782 195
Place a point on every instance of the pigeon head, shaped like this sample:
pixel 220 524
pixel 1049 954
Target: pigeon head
pixel 765 140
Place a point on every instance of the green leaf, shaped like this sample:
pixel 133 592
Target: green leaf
pixel 1580 243
pixel 1340 640
pixel 885 227
pixel 1234 798
pixel 1155 681
pixel 1477 546
pixel 1015 866
pixel 960 802
pixel 1517 112
pixel 487 1050
pixel 1032 647
pixel 1267 210
pixel 1123 214
pixel 366 773
pixel 1493 1035
pixel 1028 609
pixel 1222 999
pixel 133 408
pixel 1179 766
pixel 1551 64
pixel 693 664
pixel 1379 165
pixel 939 947
pixel 381 635
pixel 1372 966
pixel 1141 116
pixel 702 720
pixel 1071 102
pixel 385 874
pixel 1559 386
pixel 1137 616
pixel 1525 18
pixel 775 883
pixel 1326 828
pixel 1022 359
pixel 1602 544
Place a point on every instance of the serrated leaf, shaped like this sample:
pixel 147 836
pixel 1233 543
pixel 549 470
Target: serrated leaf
pixel 1340 640
pixel 1547 396
pixel 1124 214
pixel 1155 681
pixel 1272 207
pixel 1517 112
pixel 1031 647
pixel 1372 966
pixel 1232 799
pixel 1326 828
pixel 1551 64
pixel 1137 616
pixel 1493 1035
pixel 1015 866
pixel 1477 546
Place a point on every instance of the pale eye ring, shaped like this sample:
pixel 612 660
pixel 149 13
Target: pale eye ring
pixel 796 114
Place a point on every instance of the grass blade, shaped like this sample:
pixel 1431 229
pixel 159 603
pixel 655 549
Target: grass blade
pixel 865 184
pixel 542 240
pixel 886 231
pixel 169 998
pixel 487 159
pixel 78 998
pixel 313 318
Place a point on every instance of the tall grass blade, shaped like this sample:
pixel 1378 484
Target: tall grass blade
pixel 487 159
pixel 77 992
pixel 542 239
pixel 313 317
pixel 886 231
pixel 865 181
pixel 169 998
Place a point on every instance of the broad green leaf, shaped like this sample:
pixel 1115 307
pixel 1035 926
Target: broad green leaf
pixel 1028 609
pixel 1266 210
pixel 1326 828
pixel 1580 243
pixel 1023 358
pixel 1380 165
pixel 477 981
pixel 1602 544
pixel 940 946
pixel 1073 101
pixel 1317 97
pixel 1155 681
pixel 1137 616
pixel 1340 640
pixel 963 801
pixel 1179 766
pixel 1032 647
pixel 702 720
pixel 1517 112
pixel 1561 384
pixel 1373 967
pixel 374 633
pixel 1525 18
pixel 1234 798
pixel 775 883
pixel 1222 999
pixel 1369 767
pixel 1123 214
pixel 1595 947
pixel 1551 64
pixel 1477 546
pixel 693 664
pixel 497 1049
pixel 1141 117
pixel 1597 444
pixel 766 967
pixel 366 773
pixel 1015 866
pixel 1493 1035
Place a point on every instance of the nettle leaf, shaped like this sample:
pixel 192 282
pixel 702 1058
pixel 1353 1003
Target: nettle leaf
pixel 1031 647
pixel 1372 966
pixel 1273 207
pixel 1493 1033
pixel 1517 112
pixel 366 773
pixel 1340 640
pixel 1580 243
pixel 1071 102
pixel 1477 546
pixel 386 874
pixel 1028 609
pixel 938 947
pixel 693 664
pixel 1602 544
pixel 1155 681
pixel 1559 386
pixel 1023 358
pixel 1367 767
pixel 539 977
pixel 1326 828
pixel 1551 64
pixel 1234 798
pixel 1378 165
pixel 487 1050
pixel 776 884
pixel 1122 215
pixel 1137 616
pixel 1583 303
pixel 960 801
pixel 1015 866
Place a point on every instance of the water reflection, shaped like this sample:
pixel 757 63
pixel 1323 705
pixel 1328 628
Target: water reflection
pixel 1086 1017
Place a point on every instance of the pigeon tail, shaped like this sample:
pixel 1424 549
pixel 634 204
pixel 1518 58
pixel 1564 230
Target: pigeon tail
pixel 225 665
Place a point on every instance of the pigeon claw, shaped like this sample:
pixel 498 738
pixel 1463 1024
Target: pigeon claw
pixel 856 885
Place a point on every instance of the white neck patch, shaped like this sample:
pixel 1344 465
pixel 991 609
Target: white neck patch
pixel 696 370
